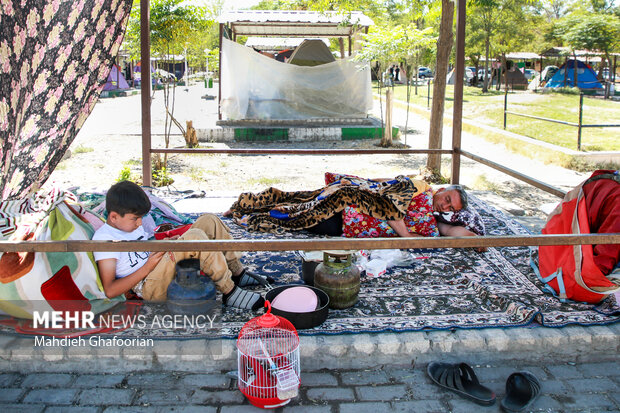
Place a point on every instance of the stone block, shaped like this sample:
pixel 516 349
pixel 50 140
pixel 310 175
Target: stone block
pixel 164 397
pixel 164 380
pixel 364 377
pixel 105 397
pixel 308 409
pixel 8 379
pixel 496 340
pixel 330 393
pixel 599 369
pixel 217 397
pixel 316 379
pixel 443 341
pixel 565 371
pixel 593 385
pixel 381 393
pixel 389 344
pixel 214 380
pixel 51 396
pixel 419 406
pixel 10 395
pixel 364 407
pixel 91 381
pixel 47 380
pixel 415 344
pixel 364 345
pixel 72 409
pixel 587 402
pixel 32 408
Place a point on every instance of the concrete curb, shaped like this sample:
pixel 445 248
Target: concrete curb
pixel 346 351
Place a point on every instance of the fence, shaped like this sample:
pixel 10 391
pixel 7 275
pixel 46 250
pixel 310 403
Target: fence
pixel 579 124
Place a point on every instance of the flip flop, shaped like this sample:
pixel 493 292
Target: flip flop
pixel 522 390
pixel 461 379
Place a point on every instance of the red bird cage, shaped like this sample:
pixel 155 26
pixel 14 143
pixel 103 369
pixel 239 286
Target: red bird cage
pixel 268 360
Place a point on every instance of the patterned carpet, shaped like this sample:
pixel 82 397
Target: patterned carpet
pixel 451 288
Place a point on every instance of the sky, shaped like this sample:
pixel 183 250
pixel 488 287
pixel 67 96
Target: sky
pixel 239 4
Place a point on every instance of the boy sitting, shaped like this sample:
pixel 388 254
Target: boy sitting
pixel 149 274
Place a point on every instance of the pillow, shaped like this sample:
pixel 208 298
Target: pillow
pixel 467 217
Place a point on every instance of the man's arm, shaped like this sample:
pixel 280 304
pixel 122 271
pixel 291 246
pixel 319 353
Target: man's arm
pixel 401 229
pixel 448 230
pixel 113 286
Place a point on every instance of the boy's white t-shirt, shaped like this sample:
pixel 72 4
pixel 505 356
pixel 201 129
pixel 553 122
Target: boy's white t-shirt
pixel 127 262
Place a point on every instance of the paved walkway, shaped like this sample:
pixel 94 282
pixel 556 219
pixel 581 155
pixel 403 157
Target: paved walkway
pixel 566 387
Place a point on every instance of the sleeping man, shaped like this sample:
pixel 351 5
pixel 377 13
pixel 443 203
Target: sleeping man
pixel 356 207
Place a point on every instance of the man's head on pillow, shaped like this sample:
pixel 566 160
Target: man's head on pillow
pixel 450 199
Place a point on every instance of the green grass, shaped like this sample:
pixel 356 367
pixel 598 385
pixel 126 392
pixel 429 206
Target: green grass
pixel 83 149
pixel 263 181
pixel 488 109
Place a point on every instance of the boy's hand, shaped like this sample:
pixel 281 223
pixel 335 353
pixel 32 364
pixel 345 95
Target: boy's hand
pixel 154 259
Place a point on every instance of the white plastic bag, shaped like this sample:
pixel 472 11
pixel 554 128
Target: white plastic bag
pixel 393 258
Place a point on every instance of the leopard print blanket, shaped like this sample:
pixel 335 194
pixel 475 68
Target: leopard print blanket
pixel 274 210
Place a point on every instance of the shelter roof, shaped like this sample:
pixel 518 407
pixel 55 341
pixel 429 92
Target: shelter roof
pixel 522 55
pixel 295 23
pixel 567 51
pixel 276 43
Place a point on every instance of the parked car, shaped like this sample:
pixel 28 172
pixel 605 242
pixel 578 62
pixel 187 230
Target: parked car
pixel 606 74
pixel 530 74
pixel 470 73
pixel 424 72
pixel 472 70
pixel 481 75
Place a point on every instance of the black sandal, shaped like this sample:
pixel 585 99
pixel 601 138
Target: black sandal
pixel 522 389
pixel 461 379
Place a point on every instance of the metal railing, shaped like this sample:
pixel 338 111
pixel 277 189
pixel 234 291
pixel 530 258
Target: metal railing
pixel 579 125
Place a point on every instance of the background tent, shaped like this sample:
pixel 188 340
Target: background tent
pixel 451 78
pixel 116 80
pixel 311 52
pixel 565 77
pixel 515 79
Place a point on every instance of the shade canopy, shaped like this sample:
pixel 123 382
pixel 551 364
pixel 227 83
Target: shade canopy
pixel 295 23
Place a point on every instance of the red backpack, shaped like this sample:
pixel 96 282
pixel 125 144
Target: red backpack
pixel 569 271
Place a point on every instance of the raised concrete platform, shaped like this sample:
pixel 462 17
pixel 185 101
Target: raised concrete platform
pixel 308 130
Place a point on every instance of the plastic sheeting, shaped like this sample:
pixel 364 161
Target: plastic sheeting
pixel 258 87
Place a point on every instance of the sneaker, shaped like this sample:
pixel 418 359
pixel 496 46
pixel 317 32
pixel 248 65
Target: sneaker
pixel 245 300
pixel 249 279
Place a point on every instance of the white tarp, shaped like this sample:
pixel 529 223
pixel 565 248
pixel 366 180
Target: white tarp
pixel 258 87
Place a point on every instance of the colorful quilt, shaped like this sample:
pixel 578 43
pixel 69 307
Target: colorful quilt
pixel 54 280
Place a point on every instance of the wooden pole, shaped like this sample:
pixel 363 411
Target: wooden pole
pixel 145 87
pixel 219 74
pixel 457 110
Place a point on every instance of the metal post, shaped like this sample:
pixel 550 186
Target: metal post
pixel 457 114
pixel 580 121
pixel 145 87
pixel 505 105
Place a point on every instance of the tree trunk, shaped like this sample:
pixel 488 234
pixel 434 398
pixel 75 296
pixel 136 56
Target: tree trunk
pixel 386 141
pixel 485 84
pixel 444 46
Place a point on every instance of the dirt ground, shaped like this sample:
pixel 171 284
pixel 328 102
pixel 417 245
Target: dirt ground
pixel 110 141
